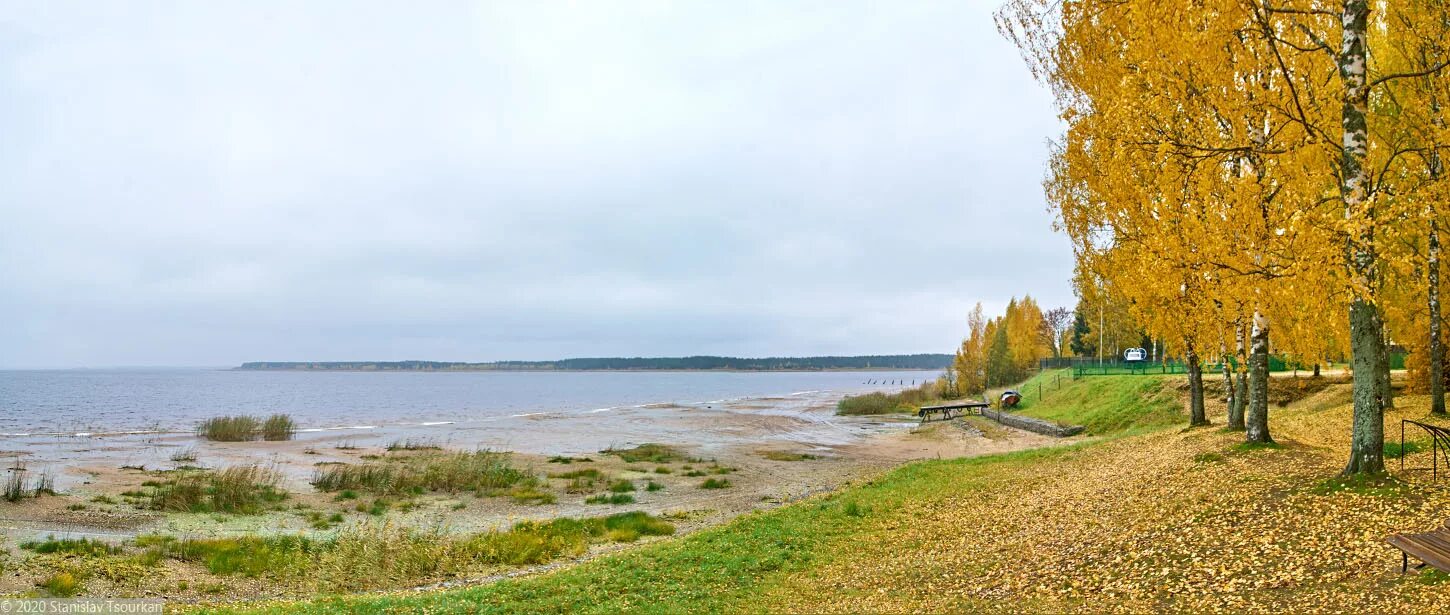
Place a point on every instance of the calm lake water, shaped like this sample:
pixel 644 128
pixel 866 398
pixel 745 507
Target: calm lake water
pixel 109 401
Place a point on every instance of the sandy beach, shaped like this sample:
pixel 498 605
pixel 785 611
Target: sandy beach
pixel 772 450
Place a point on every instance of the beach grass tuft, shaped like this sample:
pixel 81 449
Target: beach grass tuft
pixel 532 495
pixel 412 444
pixel 71 546
pixel 715 483
pixel 15 488
pixel 382 555
pixel 279 427
pixel 245 428
pixel 239 490
pixel 787 456
pixel 62 584
pixel 648 453
pixel 229 428
pixel 485 472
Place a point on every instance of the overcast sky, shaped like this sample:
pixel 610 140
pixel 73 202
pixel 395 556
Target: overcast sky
pixel 206 183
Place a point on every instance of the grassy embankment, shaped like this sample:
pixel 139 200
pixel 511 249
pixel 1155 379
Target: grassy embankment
pixel 1105 405
pixel 1156 519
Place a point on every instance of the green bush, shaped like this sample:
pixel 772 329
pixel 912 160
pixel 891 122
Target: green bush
pixel 906 400
pixel 715 483
pixel 230 428
pixel 71 546
pixel 649 453
pixel 62 584
pixel 531 495
pixel 870 403
pixel 411 444
pixel 249 556
pixel 485 472
pixel 606 498
pixel 240 489
pixel 279 427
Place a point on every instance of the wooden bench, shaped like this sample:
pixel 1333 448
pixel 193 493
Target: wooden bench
pixel 950 411
pixel 1431 548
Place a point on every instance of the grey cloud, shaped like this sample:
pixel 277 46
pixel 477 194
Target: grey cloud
pixel 210 183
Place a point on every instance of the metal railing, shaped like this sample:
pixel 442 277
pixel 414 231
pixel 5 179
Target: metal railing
pixel 1439 446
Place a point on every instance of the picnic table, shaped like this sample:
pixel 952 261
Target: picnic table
pixel 951 411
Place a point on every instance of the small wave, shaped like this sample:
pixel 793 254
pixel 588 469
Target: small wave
pixel 519 416
pixel 338 428
pixel 805 392
pixel 600 410
pixel 433 423
pixel 86 434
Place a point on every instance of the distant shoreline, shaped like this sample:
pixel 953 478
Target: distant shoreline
pixel 913 362
pixel 578 370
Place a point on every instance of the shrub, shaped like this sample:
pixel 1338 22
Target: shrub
pixel 785 456
pixel 410 444
pixel 279 427
pixel 649 453
pixel 378 555
pixel 628 527
pixel 663 470
pixel 485 472
pixel 715 483
pixel 71 546
pixel 62 584
pixel 15 485
pixel 371 478
pixel 605 498
pixel 584 473
pixel 621 486
pixel 239 428
pixel 906 400
pixel 15 489
pixel 240 490
pixel 530 495
pixel 249 556
pixel 870 403
pixel 653 486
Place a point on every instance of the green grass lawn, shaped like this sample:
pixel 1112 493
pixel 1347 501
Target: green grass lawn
pixel 1106 405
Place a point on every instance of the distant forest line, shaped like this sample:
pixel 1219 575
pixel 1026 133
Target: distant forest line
pixel 699 363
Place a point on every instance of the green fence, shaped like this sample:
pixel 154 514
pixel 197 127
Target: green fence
pixel 1119 367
